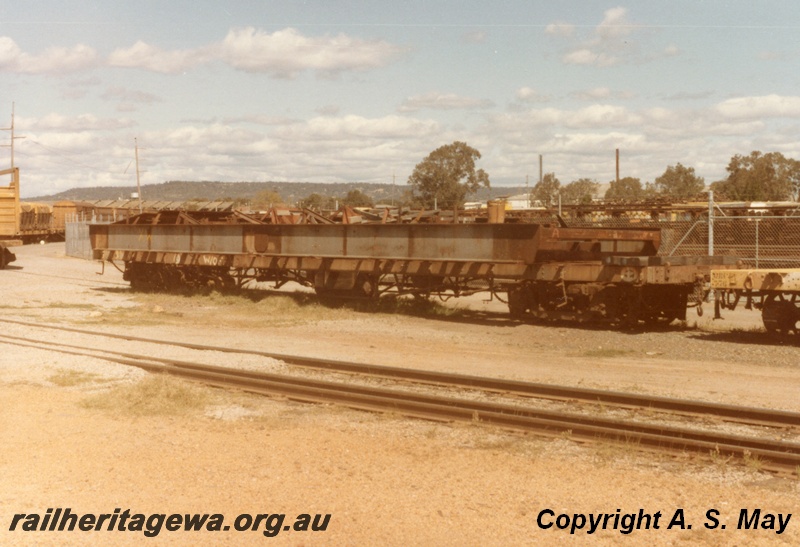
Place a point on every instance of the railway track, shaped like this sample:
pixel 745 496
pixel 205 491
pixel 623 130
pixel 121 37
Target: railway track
pixel 718 411
pixel 775 455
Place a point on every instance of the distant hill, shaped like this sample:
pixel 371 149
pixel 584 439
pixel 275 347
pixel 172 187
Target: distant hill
pixel 291 192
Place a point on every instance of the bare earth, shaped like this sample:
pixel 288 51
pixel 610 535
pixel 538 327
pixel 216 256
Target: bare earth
pixel 72 439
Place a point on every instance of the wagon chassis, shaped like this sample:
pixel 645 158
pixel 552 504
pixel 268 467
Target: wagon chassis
pixel 541 272
pixel 776 292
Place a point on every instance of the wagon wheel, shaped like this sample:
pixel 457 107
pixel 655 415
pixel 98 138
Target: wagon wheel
pixel 517 302
pixel 779 315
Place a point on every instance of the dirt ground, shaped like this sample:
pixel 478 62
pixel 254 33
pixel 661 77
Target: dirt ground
pixel 82 433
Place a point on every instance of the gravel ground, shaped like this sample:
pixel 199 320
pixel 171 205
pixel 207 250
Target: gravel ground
pixel 382 479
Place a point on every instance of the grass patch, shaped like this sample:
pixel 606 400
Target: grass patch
pixel 70 306
pixel 752 461
pixel 249 309
pixel 156 395
pixel 398 305
pixel 49 305
pixel 71 378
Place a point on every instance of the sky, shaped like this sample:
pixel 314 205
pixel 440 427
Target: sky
pixel 362 91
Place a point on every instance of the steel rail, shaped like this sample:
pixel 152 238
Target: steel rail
pixel 778 456
pixel 735 413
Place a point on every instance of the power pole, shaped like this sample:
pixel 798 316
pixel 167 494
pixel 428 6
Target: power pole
pixel 527 192
pixel 540 168
pixel 13 138
pixel 138 186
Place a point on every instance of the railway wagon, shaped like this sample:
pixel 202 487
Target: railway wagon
pixel 6 256
pixel 776 292
pixel 540 271
pixel 22 222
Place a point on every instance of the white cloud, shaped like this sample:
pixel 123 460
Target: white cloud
pixel 84 122
pixel 602 93
pixel 530 95
pixel 767 106
pixel 600 115
pixel 587 56
pixel 358 127
pixel 145 56
pixel 575 142
pixel 442 101
pixel 614 25
pixel 596 93
pixel 606 44
pixel 560 29
pixel 129 95
pixel 54 60
pixel 285 53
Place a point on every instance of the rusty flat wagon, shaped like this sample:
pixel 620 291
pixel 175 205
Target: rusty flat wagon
pixel 541 271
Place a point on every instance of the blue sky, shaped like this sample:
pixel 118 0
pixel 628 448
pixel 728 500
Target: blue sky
pixel 328 91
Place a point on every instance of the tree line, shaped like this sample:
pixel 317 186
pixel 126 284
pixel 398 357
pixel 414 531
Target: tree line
pixel 449 174
pixel 268 198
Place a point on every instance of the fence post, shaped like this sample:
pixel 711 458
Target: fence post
pixel 758 221
pixel 710 223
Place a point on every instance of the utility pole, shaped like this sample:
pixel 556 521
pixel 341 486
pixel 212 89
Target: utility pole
pixel 13 138
pixel 540 168
pixel 527 192
pixel 711 223
pixel 138 186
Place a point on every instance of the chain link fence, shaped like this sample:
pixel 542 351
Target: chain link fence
pixel 759 241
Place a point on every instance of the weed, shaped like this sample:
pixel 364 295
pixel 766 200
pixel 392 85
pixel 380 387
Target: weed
pixel 257 308
pixel 152 396
pixel 70 378
pixel 753 461
pixel 718 459
pixel 70 306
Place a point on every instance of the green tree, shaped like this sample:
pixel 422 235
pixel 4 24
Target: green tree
pixel 317 202
pixel 266 199
pixel 447 175
pixel 357 198
pixel 546 190
pixel 679 182
pixel 627 188
pixel 579 191
pixel 760 177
